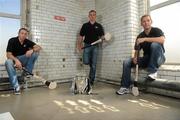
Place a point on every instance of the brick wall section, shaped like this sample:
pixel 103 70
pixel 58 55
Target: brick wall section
pixel 121 19
pixel 58 59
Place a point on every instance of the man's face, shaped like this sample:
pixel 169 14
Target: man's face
pixel 92 16
pixel 146 22
pixel 23 34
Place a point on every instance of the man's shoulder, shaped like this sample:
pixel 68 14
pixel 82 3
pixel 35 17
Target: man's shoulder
pixel 157 32
pixel 141 35
pixel 155 28
pixel 98 24
pixel 85 24
pixel 13 39
pixel 27 40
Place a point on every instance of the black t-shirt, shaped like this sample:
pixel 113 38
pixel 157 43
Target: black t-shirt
pixel 92 32
pixel 155 32
pixel 15 47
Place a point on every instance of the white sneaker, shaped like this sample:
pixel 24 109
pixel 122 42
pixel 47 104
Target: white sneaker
pixel 17 90
pixel 123 91
pixel 153 75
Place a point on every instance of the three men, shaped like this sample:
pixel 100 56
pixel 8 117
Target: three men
pixel 22 52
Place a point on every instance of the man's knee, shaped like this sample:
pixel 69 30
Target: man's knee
pixel 127 62
pixel 86 62
pixel 35 55
pixel 155 46
pixel 9 62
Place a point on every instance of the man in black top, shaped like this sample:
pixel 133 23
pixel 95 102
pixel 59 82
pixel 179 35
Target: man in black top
pixel 151 40
pixel 21 52
pixel 90 32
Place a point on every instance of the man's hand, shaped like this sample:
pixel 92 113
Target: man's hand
pixel 29 53
pixel 80 44
pixel 140 40
pixel 18 64
pixel 135 60
pixel 79 48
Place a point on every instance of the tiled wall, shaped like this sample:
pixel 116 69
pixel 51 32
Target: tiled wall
pixel 58 59
pixel 122 20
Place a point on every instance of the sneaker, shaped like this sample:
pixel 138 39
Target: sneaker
pixel 17 91
pixel 153 76
pixel 90 90
pixel 26 74
pixel 123 91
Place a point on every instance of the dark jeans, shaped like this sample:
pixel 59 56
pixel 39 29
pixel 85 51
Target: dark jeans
pixel 152 63
pixel 90 58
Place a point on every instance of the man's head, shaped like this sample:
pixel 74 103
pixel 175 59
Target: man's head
pixel 146 22
pixel 92 15
pixel 23 33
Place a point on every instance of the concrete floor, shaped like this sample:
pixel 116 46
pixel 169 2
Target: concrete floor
pixel 43 104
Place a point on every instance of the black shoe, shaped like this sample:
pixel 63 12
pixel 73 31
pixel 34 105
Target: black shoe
pixel 92 83
pixel 89 90
pixel 26 74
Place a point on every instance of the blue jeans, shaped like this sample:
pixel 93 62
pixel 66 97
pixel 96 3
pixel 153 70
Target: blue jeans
pixel 152 62
pixel 90 58
pixel 27 62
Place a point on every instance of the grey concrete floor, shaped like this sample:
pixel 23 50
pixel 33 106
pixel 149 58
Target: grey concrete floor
pixel 43 104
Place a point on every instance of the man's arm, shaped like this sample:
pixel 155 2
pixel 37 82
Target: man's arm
pixel 9 55
pixel 135 57
pixel 80 43
pixel 102 32
pixel 36 48
pixel 151 39
pixel 18 64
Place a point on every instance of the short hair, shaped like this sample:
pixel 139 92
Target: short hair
pixel 146 15
pixel 92 11
pixel 23 29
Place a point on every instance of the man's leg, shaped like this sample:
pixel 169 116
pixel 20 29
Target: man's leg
pixel 126 75
pixel 12 74
pixel 157 58
pixel 86 61
pixel 92 73
pixel 28 62
pixel 86 56
pixel 31 61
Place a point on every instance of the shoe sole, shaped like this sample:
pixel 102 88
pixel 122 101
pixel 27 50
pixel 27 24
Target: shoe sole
pixel 17 93
pixel 150 78
pixel 122 94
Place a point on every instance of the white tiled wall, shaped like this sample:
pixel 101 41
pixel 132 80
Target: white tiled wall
pixel 58 58
pixel 121 19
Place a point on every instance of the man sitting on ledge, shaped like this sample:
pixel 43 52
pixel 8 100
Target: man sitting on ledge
pixel 151 40
pixel 20 52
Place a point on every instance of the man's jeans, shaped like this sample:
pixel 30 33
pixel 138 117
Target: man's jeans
pixel 27 62
pixel 90 58
pixel 152 63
